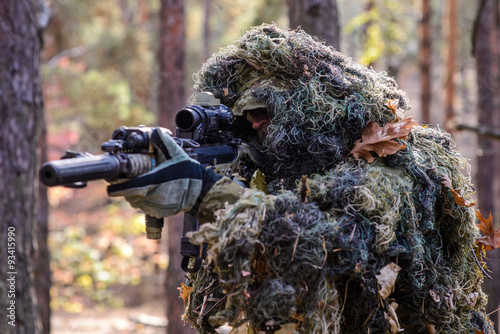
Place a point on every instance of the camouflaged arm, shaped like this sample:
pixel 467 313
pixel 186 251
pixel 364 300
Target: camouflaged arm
pixel 222 192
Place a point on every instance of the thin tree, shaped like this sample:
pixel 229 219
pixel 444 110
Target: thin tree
pixel 368 10
pixel 496 73
pixel 207 31
pixel 171 98
pixel 425 61
pixel 485 101
pixel 319 18
pixel 452 34
pixel 487 113
pixel 22 210
pixel 171 58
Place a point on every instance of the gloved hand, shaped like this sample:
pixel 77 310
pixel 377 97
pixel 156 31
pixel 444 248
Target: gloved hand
pixel 179 183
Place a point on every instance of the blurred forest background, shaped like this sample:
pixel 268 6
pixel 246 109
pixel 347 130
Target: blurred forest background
pixel 105 63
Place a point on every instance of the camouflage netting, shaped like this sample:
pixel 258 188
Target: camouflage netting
pixel 324 264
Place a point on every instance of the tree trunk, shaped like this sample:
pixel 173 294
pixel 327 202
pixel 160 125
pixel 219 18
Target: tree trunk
pixel 486 110
pixel 485 104
pixel 452 34
pixel 171 95
pixel 143 11
pixel 496 128
pixel 207 31
pixel 42 257
pixel 21 111
pixel 171 98
pixel 367 10
pixel 425 59
pixel 316 17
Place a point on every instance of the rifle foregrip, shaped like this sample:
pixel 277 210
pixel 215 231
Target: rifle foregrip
pixel 82 169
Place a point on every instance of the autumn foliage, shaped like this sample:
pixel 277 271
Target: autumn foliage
pixel 491 239
pixel 456 196
pixel 381 140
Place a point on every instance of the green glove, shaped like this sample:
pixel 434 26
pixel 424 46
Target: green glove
pixel 179 183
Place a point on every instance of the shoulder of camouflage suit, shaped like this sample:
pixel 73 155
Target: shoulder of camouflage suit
pixel 223 191
pixel 228 190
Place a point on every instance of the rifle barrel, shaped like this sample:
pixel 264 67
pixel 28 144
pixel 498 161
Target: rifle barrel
pixel 104 166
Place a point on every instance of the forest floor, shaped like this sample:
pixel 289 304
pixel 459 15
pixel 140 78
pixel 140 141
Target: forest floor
pixel 148 318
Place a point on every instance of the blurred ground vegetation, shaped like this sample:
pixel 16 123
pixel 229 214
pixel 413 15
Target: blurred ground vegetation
pixel 97 248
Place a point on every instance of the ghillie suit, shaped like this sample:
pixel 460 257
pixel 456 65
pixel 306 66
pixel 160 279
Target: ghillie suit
pixel 354 247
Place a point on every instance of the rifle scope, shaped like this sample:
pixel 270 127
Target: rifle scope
pixel 196 121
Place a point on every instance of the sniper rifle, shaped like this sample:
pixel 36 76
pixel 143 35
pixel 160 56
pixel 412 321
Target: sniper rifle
pixel 202 132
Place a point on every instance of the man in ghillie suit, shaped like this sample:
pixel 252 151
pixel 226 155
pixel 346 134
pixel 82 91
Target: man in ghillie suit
pixel 334 239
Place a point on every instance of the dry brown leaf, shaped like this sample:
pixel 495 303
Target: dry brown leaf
pixel 458 199
pixel 491 239
pixel 392 317
pixel 387 279
pixel 381 139
pixel 185 292
pixel 393 106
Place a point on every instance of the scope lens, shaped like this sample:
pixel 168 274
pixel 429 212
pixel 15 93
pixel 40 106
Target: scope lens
pixel 187 119
pixel 135 140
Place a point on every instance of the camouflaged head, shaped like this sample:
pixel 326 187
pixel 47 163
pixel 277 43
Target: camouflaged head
pixel 319 99
pixel 249 97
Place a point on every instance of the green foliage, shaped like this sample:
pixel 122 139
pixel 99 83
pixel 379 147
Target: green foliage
pixel 239 16
pixel 94 103
pixel 100 75
pixel 384 30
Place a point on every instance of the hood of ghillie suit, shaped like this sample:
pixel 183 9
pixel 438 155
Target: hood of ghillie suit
pixel 353 247
pixel 319 99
